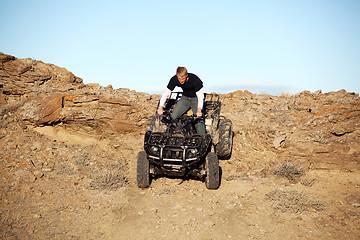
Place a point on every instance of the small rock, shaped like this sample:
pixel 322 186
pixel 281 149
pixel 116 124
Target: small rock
pixel 36 215
pixel 38 174
pixel 278 141
pixel 47 169
pixel 2 133
pixel 33 148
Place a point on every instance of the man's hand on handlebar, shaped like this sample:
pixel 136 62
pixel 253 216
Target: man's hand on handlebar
pixel 160 110
pixel 199 113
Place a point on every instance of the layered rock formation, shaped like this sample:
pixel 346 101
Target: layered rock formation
pixel 48 95
pixel 314 128
pixel 318 130
pixel 66 148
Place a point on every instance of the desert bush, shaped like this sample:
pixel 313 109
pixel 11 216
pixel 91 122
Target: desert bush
pixel 110 178
pixel 289 170
pixel 293 201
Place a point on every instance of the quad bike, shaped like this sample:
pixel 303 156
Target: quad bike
pixel 173 147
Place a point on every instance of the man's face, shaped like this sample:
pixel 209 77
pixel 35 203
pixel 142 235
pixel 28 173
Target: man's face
pixel 182 79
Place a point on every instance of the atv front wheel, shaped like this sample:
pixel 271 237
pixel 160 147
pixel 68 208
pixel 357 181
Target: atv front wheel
pixel 212 179
pixel 143 170
pixel 224 146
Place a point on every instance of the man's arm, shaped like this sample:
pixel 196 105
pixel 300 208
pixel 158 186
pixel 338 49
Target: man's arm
pixel 163 98
pixel 200 97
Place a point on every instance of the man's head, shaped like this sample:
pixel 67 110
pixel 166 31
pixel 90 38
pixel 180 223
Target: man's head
pixel 181 73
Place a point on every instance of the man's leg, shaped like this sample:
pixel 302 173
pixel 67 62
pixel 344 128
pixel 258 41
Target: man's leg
pixel 199 122
pixel 181 107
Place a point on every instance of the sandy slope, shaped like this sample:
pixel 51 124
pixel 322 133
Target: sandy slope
pixel 71 198
pixel 68 165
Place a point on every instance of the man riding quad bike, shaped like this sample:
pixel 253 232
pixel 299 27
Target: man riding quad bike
pixel 174 148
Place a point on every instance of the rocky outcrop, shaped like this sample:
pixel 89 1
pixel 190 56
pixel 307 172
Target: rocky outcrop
pixel 24 76
pixel 315 129
pixel 45 94
pixel 318 130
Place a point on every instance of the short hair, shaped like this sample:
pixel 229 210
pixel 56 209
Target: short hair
pixel 181 71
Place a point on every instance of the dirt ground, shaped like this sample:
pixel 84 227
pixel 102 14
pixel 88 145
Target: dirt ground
pixel 68 153
pixel 86 189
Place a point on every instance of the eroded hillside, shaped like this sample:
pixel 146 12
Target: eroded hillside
pixel 68 165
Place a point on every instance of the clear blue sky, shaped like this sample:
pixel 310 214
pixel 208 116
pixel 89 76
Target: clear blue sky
pixel 259 45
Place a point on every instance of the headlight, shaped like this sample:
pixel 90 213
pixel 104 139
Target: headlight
pixel 193 151
pixel 154 149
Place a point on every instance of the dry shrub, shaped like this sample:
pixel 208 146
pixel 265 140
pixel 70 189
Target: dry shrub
pixel 110 178
pixel 287 95
pixel 293 201
pixel 290 171
pixel 65 168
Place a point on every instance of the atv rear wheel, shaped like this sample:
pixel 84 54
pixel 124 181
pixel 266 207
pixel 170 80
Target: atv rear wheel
pixel 212 179
pixel 224 146
pixel 143 170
